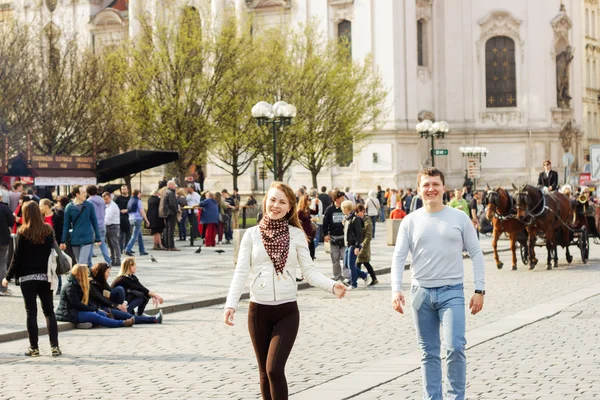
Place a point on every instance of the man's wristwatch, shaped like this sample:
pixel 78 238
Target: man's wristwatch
pixel 481 292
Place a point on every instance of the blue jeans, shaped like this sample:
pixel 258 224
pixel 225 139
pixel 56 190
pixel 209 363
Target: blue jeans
pixel 318 236
pixel 121 316
pixel 374 222
pixel 140 303
pixel 182 226
pixel 350 263
pixel 83 254
pixel 382 213
pixel 117 295
pixel 103 247
pixel 137 235
pixel 97 318
pixel 433 307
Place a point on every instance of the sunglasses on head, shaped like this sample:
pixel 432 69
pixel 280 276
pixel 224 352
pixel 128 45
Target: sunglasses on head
pixel 545 165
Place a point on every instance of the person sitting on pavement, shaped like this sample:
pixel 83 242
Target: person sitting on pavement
pixel 398 212
pixel 112 301
pixel 74 305
pixel 353 237
pixel 137 295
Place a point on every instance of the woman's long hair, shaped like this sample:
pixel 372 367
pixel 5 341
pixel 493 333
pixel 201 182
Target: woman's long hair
pixel 34 228
pixel 81 272
pixel 126 266
pixel 99 272
pixel 292 214
pixel 304 203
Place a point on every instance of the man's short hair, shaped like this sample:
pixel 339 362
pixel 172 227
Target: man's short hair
pixel 323 189
pixel 236 189
pixel 337 194
pixel 92 190
pixel 431 171
pixel 106 194
pixel 17 185
pixel 75 190
pixel 224 191
pixel 360 208
pixel 548 162
pixel 64 201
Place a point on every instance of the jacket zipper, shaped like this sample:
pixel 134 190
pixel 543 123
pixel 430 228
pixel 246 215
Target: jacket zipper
pixel 255 279
pixel 290 275
pixel 274 273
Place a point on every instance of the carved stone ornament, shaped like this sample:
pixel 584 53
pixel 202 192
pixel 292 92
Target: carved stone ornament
pixel 424 10
pixel 258 4
pixel 500 23
pixel 592 2
pixel 566 134
pixel 51 5
pixel 342 10
pixel 502 118
pixel 561 24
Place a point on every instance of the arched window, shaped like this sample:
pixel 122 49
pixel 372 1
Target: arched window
pixel 500 72
pixel 422 43
pixel 345 34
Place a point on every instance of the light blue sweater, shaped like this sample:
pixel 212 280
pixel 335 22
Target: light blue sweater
pixel 436 241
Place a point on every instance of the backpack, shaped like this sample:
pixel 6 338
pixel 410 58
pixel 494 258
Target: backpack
pixel 132 205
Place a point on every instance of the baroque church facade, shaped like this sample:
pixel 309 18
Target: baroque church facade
pixel 518 77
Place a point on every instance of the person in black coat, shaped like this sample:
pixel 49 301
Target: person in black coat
pixel 75 305
pixel 30 265
pixel 7 220
pixel 548 178
pixel 110 300
pixel 157 224
pixel 136 294
pixel 353 236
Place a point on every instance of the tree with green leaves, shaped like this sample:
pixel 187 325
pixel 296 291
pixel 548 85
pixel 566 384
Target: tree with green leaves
pixel 239 141
pixel 339 101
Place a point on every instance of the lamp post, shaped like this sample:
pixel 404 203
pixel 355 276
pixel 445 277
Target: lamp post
pixel 277 115
pixel 474 152
pixel 429 129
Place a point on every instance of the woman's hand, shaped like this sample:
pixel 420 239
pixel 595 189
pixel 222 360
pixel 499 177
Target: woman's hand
pixel 339 289
pixel 63 246
pixel 122 307
pixel 228 316
pixel 4 282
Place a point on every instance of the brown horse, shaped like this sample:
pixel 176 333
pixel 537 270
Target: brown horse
pixel 549 213
pixel 500 210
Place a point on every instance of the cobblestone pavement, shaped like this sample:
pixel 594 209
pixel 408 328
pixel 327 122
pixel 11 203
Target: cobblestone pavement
pixel 185 277
pixel 557 358
pixel 193 355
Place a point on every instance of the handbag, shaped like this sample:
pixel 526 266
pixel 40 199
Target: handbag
pixel 314 227
pixel 63 261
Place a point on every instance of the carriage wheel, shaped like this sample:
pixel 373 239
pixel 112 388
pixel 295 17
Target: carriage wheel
pixel 524 254
pixel 584 245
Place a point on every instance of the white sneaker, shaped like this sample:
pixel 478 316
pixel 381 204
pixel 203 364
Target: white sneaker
pixel 368 280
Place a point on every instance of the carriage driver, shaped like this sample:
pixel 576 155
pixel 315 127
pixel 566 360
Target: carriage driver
pixel 548 178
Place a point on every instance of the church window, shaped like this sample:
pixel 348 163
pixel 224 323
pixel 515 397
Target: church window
pixel 422 43
pixel 500 72
pixel 345 34
pixel 587 22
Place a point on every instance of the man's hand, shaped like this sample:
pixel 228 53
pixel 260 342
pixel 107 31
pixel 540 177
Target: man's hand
pixel 550 188
pixel 398 302
pixel 356 251
pixel 4 282
pixel 476 303
pixel 63 246
pixel 326 238
pixel 124 211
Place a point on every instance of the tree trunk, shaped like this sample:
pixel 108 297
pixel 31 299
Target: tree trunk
pixel 128 179
pixel 181 176
pixel 235 174
pixel 314 178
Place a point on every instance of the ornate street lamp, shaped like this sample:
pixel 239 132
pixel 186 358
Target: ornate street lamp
pixel 430 129
pixel 277 115
pixel 474 152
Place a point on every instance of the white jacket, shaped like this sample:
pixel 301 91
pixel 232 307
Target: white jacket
pixel 253 260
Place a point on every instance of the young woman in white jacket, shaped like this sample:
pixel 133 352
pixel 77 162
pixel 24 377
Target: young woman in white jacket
pixel 270 253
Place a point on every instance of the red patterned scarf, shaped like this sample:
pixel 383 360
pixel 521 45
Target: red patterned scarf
pixel 276 239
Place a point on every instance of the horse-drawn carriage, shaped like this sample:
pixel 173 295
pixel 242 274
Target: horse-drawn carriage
pixel 532 217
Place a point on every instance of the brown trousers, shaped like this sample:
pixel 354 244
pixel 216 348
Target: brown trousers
pixel 273 331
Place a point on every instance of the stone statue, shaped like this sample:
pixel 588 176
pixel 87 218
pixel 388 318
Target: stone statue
pixel 563 61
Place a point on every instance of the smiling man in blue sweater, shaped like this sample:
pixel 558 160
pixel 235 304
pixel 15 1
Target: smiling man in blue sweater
pixel 435 235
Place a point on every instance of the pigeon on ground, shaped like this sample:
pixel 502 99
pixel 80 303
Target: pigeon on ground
pixel 199 250
pixel 219 251
pixel 152 258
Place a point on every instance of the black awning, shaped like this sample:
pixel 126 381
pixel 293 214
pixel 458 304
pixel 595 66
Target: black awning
pixel 133 162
